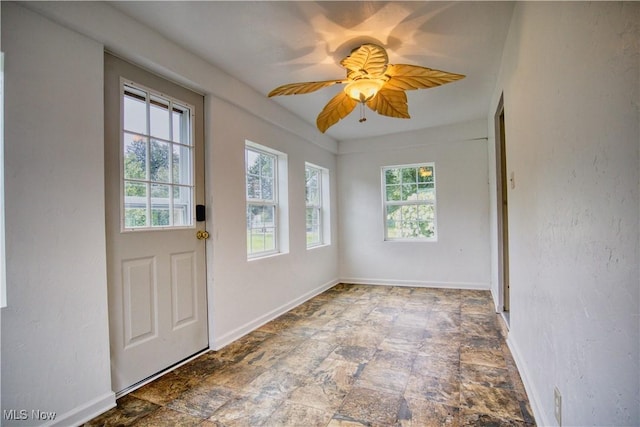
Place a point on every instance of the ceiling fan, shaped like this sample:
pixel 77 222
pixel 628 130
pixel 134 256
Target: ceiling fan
pixel 371 80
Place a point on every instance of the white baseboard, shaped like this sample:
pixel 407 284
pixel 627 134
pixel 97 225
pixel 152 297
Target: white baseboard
pixel 532 392
pixel 241 331
pixel 86 412
pixel 417 283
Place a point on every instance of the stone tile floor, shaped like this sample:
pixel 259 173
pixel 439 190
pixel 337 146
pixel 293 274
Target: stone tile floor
pixel 355 355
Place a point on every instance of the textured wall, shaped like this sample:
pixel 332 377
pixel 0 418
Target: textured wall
pixel 246 293
pixel 55 345
pixel 55 350
pixel 571 93
pixel 460 257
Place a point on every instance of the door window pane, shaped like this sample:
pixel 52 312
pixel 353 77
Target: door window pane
pixel 159 162
pixel 135 156
pixel 136 207
pixel 181 205
pixel 159 115
pixel 181 165
pixel 157 171
pixel 180 121
pixel 135 111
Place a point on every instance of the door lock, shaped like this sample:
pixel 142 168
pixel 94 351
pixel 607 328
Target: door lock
pixel 202 235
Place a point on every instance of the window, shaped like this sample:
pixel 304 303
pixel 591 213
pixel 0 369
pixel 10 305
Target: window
pixel 157 160
pixel 409 195
pixel 314 214
pixel 265 184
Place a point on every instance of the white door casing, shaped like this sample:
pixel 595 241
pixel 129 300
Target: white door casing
pixel 156 277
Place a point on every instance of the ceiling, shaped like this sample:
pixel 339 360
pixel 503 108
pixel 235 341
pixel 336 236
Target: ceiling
pixel 266 44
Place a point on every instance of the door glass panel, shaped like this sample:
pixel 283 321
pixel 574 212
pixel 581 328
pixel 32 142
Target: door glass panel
pixel 160 122
pixel 135 156
pixel 180 121
pixel 159 162
pixel 136 205
pixel 135 111
pixel 160 205
pixel 157 170
pixel 181 205
pixel 181 166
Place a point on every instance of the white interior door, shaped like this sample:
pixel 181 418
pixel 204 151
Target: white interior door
pixel 154 178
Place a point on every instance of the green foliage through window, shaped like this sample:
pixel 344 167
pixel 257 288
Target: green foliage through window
pixel 261 201
pixel 313 196
pixel 157 161
pixel 409 202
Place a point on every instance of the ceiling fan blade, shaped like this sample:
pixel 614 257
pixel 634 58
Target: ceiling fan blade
pixel 302 88
pixel 389 102
pixel 367 60
pixel 338 107
pixel 409 77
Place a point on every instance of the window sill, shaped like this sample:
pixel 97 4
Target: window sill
pixel 267 255
pixel 323 245
pixel 411 240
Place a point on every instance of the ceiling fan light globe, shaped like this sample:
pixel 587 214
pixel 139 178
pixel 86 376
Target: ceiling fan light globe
pixel 362 90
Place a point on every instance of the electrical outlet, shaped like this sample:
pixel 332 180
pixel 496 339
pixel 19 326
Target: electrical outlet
pixel 557 405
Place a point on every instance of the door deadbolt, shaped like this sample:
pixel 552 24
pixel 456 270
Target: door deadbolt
pixel 202 235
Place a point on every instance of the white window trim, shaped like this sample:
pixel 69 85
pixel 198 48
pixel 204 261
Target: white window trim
pixel 325 211
pixel 281 191
pixel 123 229
pixel 317 206
pixel 385 203
pixel 262 202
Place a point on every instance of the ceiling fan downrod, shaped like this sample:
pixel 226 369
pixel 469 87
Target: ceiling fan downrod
pixel 362 111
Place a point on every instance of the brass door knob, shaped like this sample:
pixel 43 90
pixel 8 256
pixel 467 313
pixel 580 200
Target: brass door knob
pixel 202 235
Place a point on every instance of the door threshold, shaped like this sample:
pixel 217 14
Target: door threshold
pixel 157 375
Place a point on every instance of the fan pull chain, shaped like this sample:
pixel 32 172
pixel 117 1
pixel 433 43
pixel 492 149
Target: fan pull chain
pixel 362 111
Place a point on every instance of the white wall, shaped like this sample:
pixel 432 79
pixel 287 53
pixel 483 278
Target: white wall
pixel 571 93
pixel 55 349
pixel 127 38
pixel 55 353
pixel 460 257
pixel 571 84
pixel 224 131
pixel 248 293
